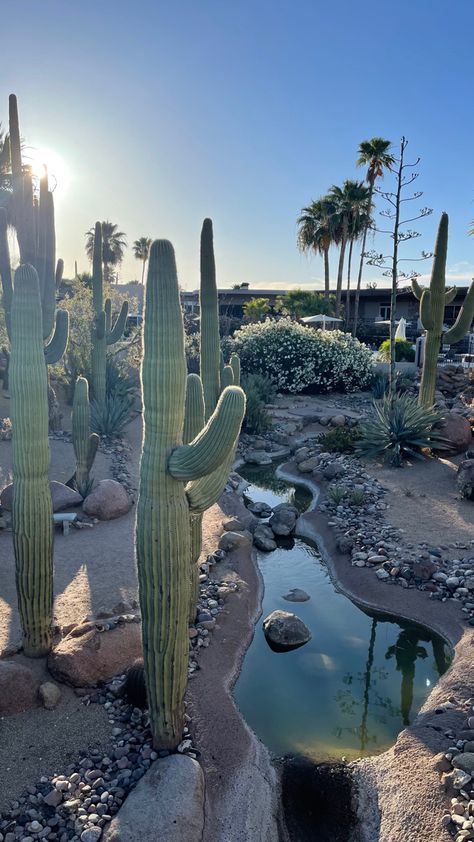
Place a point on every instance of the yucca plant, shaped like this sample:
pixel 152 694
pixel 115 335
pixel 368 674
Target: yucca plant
pixel 336 493
pixel 400 430
pixel 110 417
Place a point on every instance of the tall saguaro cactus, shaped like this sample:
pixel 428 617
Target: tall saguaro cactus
pixel 84 442
pixel 209 308
pixel 103 332
pixel 168 472
pixel 432 303
pixel 32 514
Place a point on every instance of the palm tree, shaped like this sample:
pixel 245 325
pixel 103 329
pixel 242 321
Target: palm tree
pixel 375 155
pixel 256 309
pixel 357 225
pixel 343 198
pixel 114 243
pixel 315 233
pixel 141 250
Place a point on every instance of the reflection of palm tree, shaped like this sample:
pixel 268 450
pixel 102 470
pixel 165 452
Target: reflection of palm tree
pixel 406 651
pixel 367 682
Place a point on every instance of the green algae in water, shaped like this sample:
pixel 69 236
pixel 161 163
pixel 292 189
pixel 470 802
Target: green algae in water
pixel 359 680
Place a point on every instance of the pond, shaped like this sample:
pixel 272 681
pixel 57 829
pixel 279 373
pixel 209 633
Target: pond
pixel 359 680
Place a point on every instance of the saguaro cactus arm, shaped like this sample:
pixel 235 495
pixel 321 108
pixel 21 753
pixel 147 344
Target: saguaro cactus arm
pixel 464 319
pixel 204 492
pixel 426 315
pixel 115 332
pixel 213 444
pixel 227 377
pixel 57 345
pixel 235 365
pixel 194 408
pixel 210 351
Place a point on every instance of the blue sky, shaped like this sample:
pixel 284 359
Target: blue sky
pixel 163 113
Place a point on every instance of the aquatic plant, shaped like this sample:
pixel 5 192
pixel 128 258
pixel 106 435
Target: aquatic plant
pixel 176 480
pixel 432 303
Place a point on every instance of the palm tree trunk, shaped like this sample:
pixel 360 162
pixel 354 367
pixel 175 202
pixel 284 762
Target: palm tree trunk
pixel 340 269
pixel 326 273
pixel 361 265
pixel 348 293
pixel 143 270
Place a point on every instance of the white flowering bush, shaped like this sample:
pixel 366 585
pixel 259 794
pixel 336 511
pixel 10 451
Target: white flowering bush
pixel 296 357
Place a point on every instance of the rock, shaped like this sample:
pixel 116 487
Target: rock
pixel 284 630
pixel 108 501
pixel 49 694
pixel 257 457
pixel 296 595
pixel 457 430
pixel 263 538
pixel 345 544
pixel 283 520
pixel 338 421
pixel 382 574
pixel 233 540
pixel 18 688
pixel 301 454
pixel 234 525
pixel 465 479
pixel 333 470
pixel 91 834
pixel 260 509
pixel 308 465
pixel 166 804
pixel 424 568
pixel 465 762
pixel 53 798
pixel 96 656
pixel 62 497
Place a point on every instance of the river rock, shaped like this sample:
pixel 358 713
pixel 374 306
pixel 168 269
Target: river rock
pixel 424 568
pixel 465 479
pixel 283 520
pixel 95 656
pixel 284 630
pixel 465 762
pixel 108 501
pixel 233 540
pixel 263 538
pixel 62 497
pixel 18 688
pixel 49 694
pixel 338 421
pixel 296 595
pixel 167 804
pixel 333 470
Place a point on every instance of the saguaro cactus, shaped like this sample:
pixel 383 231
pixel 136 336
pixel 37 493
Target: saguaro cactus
pixel 432 304
pixel 162 534
pixel 103 332
pixel 32 514
pixel 84 442
pixel 210 350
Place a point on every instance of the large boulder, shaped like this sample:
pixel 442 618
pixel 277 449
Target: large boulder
pixel 284 631
pixel 167 803
pixel 457 431
pixel 230 541
pixel 465 479
pixel 62 497
pixel 257 457
pixel 108 501
pixel 308 465
pixel 18 688
pixel 263 538
pixel 283 519
pixel 94 656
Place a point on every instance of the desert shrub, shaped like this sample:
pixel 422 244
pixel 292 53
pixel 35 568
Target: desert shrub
pixel 227 347
pixel 296 358
pixel 399 430
pixel 336 493
pixel 340 439
pixel 404 382
pixel 109 418
pixel 192 344
pixel 259 391
pixel 404 351
pixel 118 380
pixel 358 497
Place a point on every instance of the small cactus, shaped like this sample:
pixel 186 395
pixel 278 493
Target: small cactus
pixel 84 442
pixel 432 304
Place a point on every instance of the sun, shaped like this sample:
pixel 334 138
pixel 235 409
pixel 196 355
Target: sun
pixel 40 158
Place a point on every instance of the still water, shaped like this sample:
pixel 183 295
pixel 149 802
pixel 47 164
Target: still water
pixel 359 680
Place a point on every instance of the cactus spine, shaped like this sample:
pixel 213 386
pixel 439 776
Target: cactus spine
pixel 210 349
pixel 32 513
pixel 104 333
pixel 84 442
pixel 432 304
pixel 162 533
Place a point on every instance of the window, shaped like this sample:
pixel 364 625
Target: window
pixel 384 311
pixel 451 312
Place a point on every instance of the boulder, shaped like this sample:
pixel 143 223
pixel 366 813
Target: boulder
pixel 108 501
pixel 338 421
pixel 465 479
pixel 308 465
pixel 94 656
pixel 49 694
pixel 284 631
pixel 233 525
pixel 18 688
pixel 263 538
pixel 260 509
pixel 62 497
pixel 167 803
pixel 296 595
pixel 257 457
pixel 233 540
pixel 457 431
pixel 301 454
pixel 333 470
pixel 283 519
pixel 424 568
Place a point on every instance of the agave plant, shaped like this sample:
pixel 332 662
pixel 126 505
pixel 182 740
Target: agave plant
pixel 400 430
pixel 109 418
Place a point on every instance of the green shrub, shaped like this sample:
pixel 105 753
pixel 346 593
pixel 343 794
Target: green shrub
pixel 259 391
pixel 404 351
pixel 295 357
pixel 340 439
pixel 358 497
pixel 109 418
pixel 336 493
pixel 399 430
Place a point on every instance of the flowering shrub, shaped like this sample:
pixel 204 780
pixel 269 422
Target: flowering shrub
pixel 297 357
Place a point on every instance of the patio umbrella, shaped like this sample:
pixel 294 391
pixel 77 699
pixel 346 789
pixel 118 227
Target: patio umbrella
pixel 319 318
pixel 401 329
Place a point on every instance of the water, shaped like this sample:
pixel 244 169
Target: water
pixel 356 684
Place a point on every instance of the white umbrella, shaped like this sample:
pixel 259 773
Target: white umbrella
pixel 400 332
pixel 319 319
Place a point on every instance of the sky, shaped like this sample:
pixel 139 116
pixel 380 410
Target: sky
pixel 155 115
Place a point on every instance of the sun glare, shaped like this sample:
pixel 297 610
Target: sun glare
pixel 58 170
